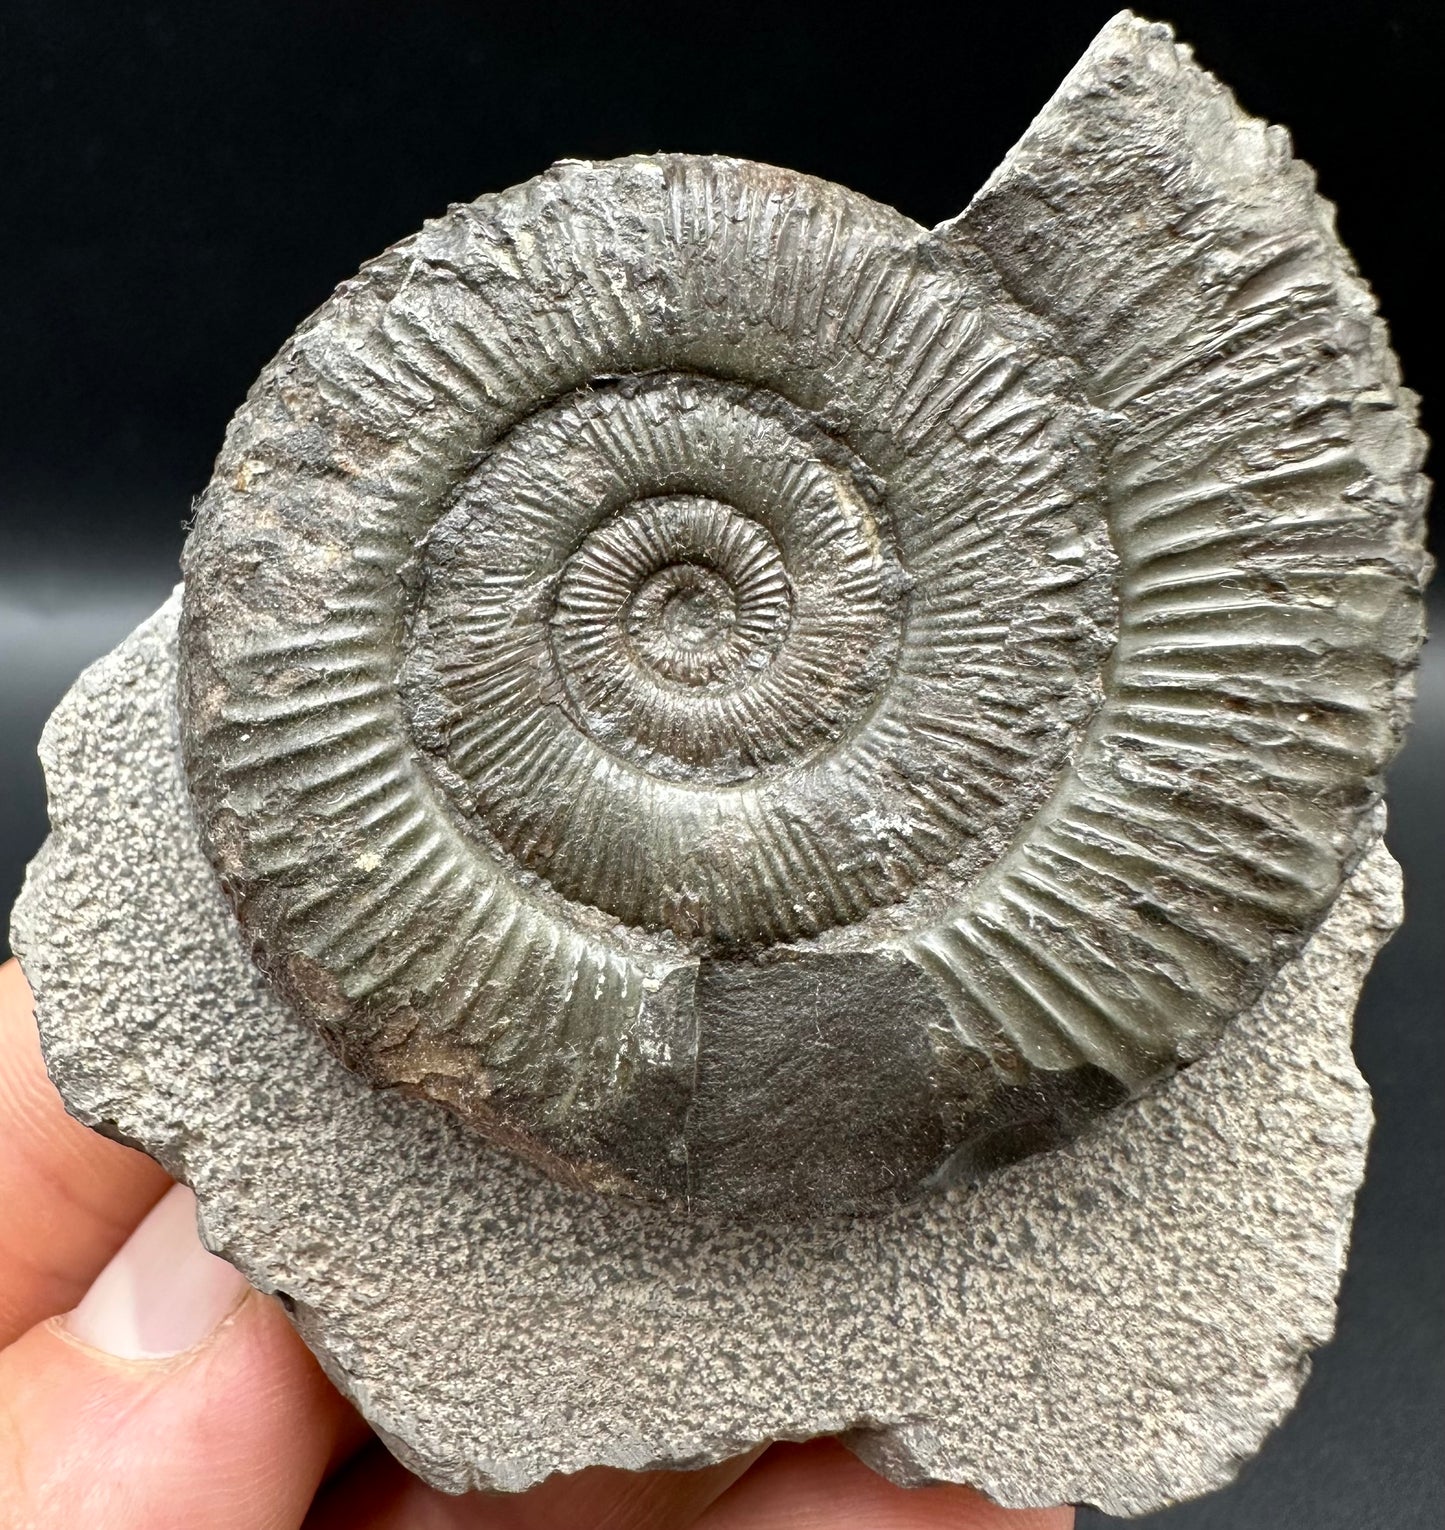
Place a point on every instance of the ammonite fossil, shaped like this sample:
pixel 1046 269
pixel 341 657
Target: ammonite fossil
pixel 758 705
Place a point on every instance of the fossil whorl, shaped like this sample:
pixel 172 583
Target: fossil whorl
pixel 755 704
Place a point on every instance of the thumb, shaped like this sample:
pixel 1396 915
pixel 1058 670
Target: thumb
pixel 172 1396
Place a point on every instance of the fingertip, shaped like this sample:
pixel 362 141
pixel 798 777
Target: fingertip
pixel 821 1485
pixel 379 1492
pixel 124 1414
pixel 162 1293
pixel 71 1197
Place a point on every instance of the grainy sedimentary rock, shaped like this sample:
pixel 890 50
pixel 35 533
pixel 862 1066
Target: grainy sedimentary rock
pixel 1117 1322
pixel 759 705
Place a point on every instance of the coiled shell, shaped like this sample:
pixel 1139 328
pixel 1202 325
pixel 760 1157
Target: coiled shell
pixel 755 704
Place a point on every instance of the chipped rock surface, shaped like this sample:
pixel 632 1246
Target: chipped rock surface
pixel 1118 1322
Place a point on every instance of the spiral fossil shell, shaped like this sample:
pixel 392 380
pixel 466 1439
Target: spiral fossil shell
pixel 757 705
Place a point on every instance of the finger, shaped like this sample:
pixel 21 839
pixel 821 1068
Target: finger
pixel 173 1396
pixel 378 1494
pixel 71 1198
pixel 822 1486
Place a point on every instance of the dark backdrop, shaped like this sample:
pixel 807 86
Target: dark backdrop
pixel 182 181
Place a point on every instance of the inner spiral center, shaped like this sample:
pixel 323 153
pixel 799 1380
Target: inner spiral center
pixel 682 624
pixel 669 607
pixel 696 617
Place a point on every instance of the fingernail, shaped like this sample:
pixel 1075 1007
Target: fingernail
pixel 162 1293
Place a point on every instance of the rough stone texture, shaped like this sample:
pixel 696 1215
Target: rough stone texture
pixel 660 608
pixel 1116 1322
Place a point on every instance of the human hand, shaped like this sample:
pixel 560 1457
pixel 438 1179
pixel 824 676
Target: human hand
pixel 171 1396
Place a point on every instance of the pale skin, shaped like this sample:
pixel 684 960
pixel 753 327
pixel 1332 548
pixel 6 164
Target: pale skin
pixel 145 1386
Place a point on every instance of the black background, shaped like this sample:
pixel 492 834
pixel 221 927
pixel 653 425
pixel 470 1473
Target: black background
pixel 182 182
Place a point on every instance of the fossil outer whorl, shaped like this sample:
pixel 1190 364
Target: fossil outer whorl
pixel 755 704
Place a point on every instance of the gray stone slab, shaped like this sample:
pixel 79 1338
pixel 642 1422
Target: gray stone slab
pixel 1117 1322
